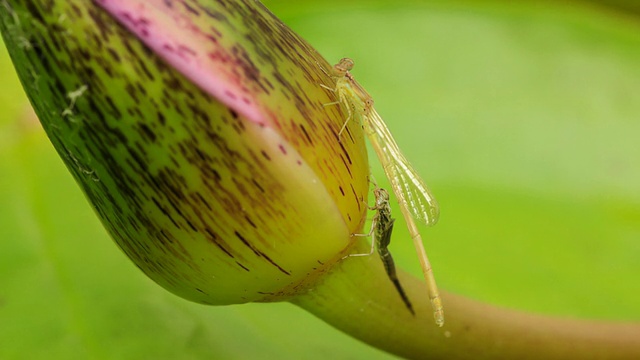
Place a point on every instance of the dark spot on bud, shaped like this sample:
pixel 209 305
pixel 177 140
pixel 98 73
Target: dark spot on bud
pixel 230 95
pixel 242 266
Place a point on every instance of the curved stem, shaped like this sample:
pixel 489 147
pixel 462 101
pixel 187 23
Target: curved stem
pixel 358 299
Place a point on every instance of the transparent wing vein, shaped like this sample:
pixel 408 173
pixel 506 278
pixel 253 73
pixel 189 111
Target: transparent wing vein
pixel 407 185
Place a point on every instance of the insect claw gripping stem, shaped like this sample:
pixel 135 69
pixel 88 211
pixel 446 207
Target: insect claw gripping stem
pixel 344 126
pixel 342 129
pixel 373 224
pixel 332 90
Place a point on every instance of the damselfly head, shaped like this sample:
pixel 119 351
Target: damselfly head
pixel 382 196
pixel 342 67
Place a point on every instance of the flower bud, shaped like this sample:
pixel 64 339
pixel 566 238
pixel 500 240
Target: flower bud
pixel 198 134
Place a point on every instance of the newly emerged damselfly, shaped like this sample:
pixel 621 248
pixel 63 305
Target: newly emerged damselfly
pixel 413 195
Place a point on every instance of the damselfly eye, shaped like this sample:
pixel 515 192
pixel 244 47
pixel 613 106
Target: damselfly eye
pixel 344 65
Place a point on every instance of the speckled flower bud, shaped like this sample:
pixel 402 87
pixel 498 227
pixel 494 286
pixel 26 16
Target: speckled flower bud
pixel 197 131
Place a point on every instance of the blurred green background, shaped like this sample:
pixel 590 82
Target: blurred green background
pixel 523 119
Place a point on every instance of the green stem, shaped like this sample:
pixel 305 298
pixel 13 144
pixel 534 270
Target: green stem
pixel 358 299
